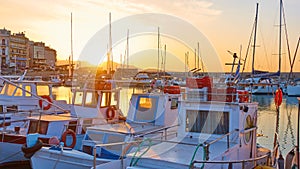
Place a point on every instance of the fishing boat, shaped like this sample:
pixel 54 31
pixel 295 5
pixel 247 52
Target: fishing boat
pixel 89 107
pixel 149 115
pixel 217 129
pixel 21 98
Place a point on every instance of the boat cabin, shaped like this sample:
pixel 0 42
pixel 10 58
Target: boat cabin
pixel 22 98
pixel 149 115
pixel 46 126
pixel 96 106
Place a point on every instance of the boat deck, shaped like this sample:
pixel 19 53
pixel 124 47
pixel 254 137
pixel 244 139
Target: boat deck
pixel 181 152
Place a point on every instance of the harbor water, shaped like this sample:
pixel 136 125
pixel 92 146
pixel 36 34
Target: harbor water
pixel 266 121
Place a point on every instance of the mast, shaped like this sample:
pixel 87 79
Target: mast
pixel 127 53
pixel 195 58
pixel 109 54
pixel 158 52
pixel 71 68
pixel 254 40
pixel 279 47
pixel 165 60
pixel 198 56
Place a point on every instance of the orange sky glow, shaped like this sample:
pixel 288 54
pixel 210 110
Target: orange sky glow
pixel 226 25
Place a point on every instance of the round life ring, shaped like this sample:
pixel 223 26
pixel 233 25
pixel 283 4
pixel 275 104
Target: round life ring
pixel 110 113
pixel 64 138
pixel 278 97
pixel 49 102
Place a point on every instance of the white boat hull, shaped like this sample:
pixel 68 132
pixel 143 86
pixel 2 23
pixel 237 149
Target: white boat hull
pixel 65 159
pixel 262 89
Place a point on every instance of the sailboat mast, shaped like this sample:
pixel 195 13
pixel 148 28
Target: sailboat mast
pixel 109 54
pixel 71 66
pixel 279 50
pixel 254 40
pixel 158 52
pixel 165 59
pixel 127 53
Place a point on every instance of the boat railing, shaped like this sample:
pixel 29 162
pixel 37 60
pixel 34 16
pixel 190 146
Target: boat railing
pixel 206 146
pixel 163 129
pixel 196 95
pixel 231 162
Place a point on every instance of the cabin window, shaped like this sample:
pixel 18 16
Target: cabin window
pixel 10 89
pixel 3 90
pixel 43 90
pixel 210 122
pixel 247 125
pixel 40 127
pixel 78 98
pixel 146 108
pixel 105 99
pixel 12 108
pixel 174 103
pixel 72 125
pixel 90 99
pixel 19 91
pixel 28 88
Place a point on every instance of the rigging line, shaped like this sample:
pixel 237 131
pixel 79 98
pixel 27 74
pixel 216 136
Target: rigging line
pixel 295 54
pixel 286 36
pixel 265 50
pixel 248 47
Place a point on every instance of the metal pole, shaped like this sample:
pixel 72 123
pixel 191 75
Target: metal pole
pixel 95 148
pixel 297 149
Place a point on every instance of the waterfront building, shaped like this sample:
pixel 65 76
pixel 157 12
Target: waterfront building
pixel 18 52
pixel 4 50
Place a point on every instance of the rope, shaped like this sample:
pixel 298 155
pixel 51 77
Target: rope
pixel 134 160
pixel 194 154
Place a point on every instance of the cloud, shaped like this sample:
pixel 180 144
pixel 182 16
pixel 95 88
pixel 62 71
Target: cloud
pixel 185 8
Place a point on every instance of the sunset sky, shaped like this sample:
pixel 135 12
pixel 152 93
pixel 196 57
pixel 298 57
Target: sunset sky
pixel 227 24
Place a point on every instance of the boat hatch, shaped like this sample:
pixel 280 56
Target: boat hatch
pixel 210 122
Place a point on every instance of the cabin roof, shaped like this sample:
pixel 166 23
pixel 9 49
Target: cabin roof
pixel 53 118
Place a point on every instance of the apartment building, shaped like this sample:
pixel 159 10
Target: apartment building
pixel 18 52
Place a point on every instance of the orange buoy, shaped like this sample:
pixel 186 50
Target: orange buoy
pixel 278 97
pixel 49 102
pixel 64 138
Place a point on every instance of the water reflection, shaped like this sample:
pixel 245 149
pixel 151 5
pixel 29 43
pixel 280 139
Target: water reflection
pixel 287 123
